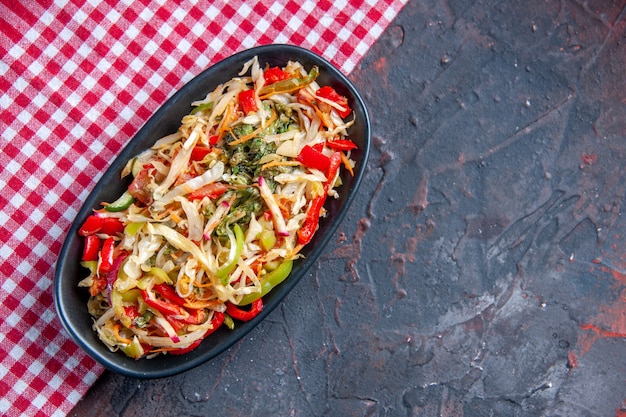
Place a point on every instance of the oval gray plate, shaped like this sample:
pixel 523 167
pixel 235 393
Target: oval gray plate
pixel 71 301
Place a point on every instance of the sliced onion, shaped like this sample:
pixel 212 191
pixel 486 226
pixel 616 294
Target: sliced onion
pixel 179 165
pixel 194 218
pixel 277 216
pixel 167 327
pixel 180 242
pixel 193 184
pixel 167 140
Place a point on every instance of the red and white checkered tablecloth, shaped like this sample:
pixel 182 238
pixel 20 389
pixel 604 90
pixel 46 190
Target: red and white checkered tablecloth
pixel 78 78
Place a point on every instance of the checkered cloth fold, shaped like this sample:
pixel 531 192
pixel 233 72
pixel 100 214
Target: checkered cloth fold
pixel 77 81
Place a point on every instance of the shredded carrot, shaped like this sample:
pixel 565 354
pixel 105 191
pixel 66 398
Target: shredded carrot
pixel 224 124
pixel 324 117
pixel 295 251
pixel 346 163
pixel 175 217
pixel 160 216
pixel 249 136
pixel 119 337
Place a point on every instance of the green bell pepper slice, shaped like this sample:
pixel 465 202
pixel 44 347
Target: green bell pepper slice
pixel 222 273
pixel 122 203
pixel 290 84
pixel 268 282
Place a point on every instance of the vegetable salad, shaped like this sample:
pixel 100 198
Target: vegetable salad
pixel 217 212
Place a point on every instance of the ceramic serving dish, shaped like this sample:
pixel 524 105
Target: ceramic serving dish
pixel 71 300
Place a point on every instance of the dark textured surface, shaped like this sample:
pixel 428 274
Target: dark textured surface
pixel 481 270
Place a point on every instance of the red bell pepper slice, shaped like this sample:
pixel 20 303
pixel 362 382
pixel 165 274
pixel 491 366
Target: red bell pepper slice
pixel 168 292
pixel 244 315
pixel 218 319
pixel 178 325
pixel 199 152
pixel 164 307
pixel 132 312
pixel 335 162
pixel 341 145
pixel 329 93
pixel 312 158
pixel 106 225
pixel 309 227
pixel 274 74
pixel 195 316
pixel 247 101
pixel 91 226
pixel 107 255
pixel 318 147
pixel 311 221
pixel 171 306
pixel 212 190
pixel 91 248
pixel 213 140
pixel 111 226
